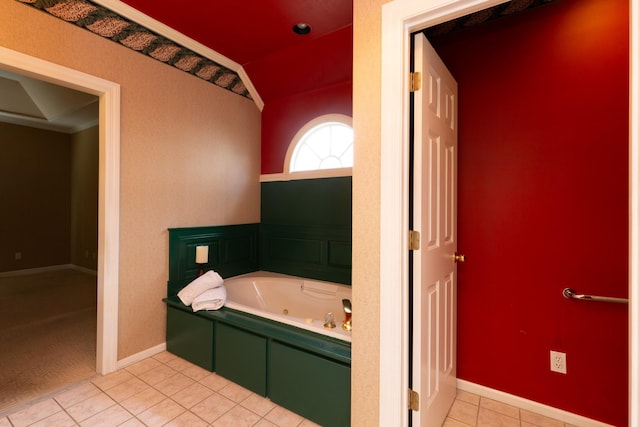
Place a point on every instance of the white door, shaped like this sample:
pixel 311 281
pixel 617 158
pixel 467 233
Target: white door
pixel 434 217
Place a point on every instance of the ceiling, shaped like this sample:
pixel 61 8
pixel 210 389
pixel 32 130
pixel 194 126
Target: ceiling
pixel 255 50
pixel 247 35
pixel 30 102
pixel 260 38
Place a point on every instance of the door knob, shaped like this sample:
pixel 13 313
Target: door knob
pixel 458 257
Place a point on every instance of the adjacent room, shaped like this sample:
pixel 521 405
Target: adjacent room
pixel 49 175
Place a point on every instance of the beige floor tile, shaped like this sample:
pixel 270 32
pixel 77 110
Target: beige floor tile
pixel 192 395
pixel 195 372
pixel 60 419
pixel 465 396
pixel 133 422
pixel 164 357
pixel 265 423
pixel 77 394
pixel 214 381
pixel 489 418
pixel 127 389
pixel 213 407
pixel 4 422
pixel 174 384
pixel 156 375
pixel 90 407
pixel 283 417
pixel 237 417
pixel 113 416
pixel 113 379
pixel 464 412
pixel 187 419
pixel 500 407
pixel 161 413
pixel 34 413
pixel 143 401
pixel 539 420
pixel 450 422
pixel 235 392
pixel 307 423
pixel 143 366
pixel 258 404
pixel 179 364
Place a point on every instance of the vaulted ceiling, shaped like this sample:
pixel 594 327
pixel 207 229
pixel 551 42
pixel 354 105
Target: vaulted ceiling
pixel 259 37
pixel 248 48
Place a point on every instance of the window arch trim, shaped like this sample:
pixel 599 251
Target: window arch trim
pixel 320 173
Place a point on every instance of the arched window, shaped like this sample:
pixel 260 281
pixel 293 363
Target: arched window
pixel 323 144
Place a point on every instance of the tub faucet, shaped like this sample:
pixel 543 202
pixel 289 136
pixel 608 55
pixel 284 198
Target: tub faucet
pixel 346 306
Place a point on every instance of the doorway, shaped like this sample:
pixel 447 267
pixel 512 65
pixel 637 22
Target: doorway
pixel 400 18
pixel 108 189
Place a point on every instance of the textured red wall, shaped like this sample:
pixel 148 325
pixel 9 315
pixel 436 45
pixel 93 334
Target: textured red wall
pixel 283 118
pixel 543 203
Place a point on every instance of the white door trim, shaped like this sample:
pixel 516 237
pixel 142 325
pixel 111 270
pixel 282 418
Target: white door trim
pixel 108 191
pixel 399 19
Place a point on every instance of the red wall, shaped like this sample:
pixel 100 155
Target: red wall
pixel 543 203
pixel 283 118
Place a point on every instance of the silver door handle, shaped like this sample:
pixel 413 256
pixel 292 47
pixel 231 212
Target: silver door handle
pixel 571 294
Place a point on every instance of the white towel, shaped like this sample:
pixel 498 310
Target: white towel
pixel 209 280
pixel 212 299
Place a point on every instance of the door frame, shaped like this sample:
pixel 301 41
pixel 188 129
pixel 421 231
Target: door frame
pixel 108 188
pixel 399 19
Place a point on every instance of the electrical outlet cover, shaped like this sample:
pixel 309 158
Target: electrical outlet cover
pixel 558 362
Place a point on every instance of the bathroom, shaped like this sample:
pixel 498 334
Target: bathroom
pixel 170 149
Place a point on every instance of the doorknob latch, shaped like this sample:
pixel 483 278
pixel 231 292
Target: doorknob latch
pixel 458 257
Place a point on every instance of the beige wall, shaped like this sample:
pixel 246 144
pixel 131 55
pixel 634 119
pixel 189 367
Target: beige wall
pixel 35 197
pixel 190 155
pixel 84 198
pixel 366 211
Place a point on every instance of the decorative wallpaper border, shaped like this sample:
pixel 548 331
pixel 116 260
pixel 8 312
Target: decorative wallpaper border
pixel 103 22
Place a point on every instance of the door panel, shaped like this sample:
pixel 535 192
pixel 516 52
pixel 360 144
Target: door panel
pixel 434 216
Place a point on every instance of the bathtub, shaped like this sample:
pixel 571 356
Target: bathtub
pixel 295 301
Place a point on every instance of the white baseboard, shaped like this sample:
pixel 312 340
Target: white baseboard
pixel 83 269
pixel 27 271
pixel 529 405
pixel 123 363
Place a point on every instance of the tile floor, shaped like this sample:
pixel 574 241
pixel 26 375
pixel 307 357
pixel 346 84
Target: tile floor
pixel 471 410
pixel 165 390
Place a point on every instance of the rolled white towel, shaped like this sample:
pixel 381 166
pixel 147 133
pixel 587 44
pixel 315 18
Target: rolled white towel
pixel 209 280
pixel 211 299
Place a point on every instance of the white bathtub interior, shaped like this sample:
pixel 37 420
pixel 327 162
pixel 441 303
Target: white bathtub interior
pixel 296 301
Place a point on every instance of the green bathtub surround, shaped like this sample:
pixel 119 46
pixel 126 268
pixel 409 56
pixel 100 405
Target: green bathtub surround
pixel 305 228
pixel 301 370
pixel 233 250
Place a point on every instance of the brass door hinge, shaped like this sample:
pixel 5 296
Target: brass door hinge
pixel 414 240
pixel 415 81
pixel 414 400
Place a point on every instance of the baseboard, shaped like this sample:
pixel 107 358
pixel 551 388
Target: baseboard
pixel 135 358
pixel 529 405
pixel 27 271
pixel 83 269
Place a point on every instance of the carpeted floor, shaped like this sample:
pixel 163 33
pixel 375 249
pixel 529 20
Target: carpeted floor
pixel 47 333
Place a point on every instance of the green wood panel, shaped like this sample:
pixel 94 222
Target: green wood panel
pixel 233 250
pixel 316 388
pixel 322 253
pixel 241 357
pixel 310 202
pixel 331 348
pixel 190 337
pixel 305 228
